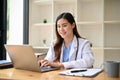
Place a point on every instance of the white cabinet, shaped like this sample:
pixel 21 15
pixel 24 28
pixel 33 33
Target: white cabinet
pixel 97 20
pixel 41 34
pixel 111 30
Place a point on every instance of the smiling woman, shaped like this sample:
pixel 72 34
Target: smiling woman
pixel 69 50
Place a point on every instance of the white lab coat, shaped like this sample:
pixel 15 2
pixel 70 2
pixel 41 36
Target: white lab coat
pixel 85 58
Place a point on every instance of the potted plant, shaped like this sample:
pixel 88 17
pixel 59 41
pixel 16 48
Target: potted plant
pixel 45 21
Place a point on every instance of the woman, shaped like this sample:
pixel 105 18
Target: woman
pixel 69 50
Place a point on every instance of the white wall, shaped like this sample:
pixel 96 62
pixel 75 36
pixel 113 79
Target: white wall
pixel 15 23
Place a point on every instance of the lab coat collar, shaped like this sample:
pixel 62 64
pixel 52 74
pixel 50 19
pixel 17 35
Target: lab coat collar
pixel 73 49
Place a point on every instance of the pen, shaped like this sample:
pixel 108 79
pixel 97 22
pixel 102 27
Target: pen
pixel 74 71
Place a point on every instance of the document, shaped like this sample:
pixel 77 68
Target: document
pixel 82 72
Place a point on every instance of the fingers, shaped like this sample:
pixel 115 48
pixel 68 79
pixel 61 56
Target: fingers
pixel 44 63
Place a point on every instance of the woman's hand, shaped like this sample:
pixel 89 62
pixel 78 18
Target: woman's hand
pixel 44 63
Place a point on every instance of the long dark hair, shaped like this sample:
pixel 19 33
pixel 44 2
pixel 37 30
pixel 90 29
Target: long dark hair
pixel 59 40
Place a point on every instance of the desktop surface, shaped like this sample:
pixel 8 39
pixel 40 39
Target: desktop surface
pixel 17 74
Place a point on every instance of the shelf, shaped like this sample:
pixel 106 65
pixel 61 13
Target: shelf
pixel 89 22
pixel 87 0
pixel 43 2
pixel 97 48
pixel 39 54
pixel 112 48
pixel 112 22
pixel 38 47
pixel 64 1
pixel 42 24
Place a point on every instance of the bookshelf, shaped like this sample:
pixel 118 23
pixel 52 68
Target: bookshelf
pixel 97 20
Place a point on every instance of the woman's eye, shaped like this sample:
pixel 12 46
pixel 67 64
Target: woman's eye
pixel 65 25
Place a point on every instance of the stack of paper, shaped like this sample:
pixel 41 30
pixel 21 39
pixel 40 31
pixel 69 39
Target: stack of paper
pixel 81 72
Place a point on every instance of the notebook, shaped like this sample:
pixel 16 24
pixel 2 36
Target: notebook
pixel 81 72
pixel 23 57
pixel 5 64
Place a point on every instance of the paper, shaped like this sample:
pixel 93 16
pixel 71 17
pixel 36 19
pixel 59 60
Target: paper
pixel 90 72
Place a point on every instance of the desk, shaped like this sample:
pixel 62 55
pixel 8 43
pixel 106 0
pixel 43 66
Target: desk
pixel 16 74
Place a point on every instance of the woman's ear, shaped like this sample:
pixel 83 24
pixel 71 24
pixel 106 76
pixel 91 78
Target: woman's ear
pixel 73 25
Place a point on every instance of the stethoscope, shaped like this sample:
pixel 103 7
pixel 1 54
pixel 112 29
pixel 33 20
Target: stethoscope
pixel 77 49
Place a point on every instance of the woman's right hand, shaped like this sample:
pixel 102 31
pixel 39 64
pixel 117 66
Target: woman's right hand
pixel 44 63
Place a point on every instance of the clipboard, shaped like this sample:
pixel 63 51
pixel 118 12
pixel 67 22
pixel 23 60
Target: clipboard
pixel 82 72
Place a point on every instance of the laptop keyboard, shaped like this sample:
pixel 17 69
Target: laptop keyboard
pixel 44 69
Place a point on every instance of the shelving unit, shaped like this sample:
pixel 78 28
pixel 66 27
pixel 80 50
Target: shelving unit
pixel 60 6
pixel 97 20
pixel 111 30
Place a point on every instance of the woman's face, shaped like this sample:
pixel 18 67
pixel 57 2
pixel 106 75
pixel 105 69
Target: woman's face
pixel 64 28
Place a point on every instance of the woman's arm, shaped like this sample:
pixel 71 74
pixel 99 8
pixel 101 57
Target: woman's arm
pixel 48 61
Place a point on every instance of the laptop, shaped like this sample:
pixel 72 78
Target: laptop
pixel 23 57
